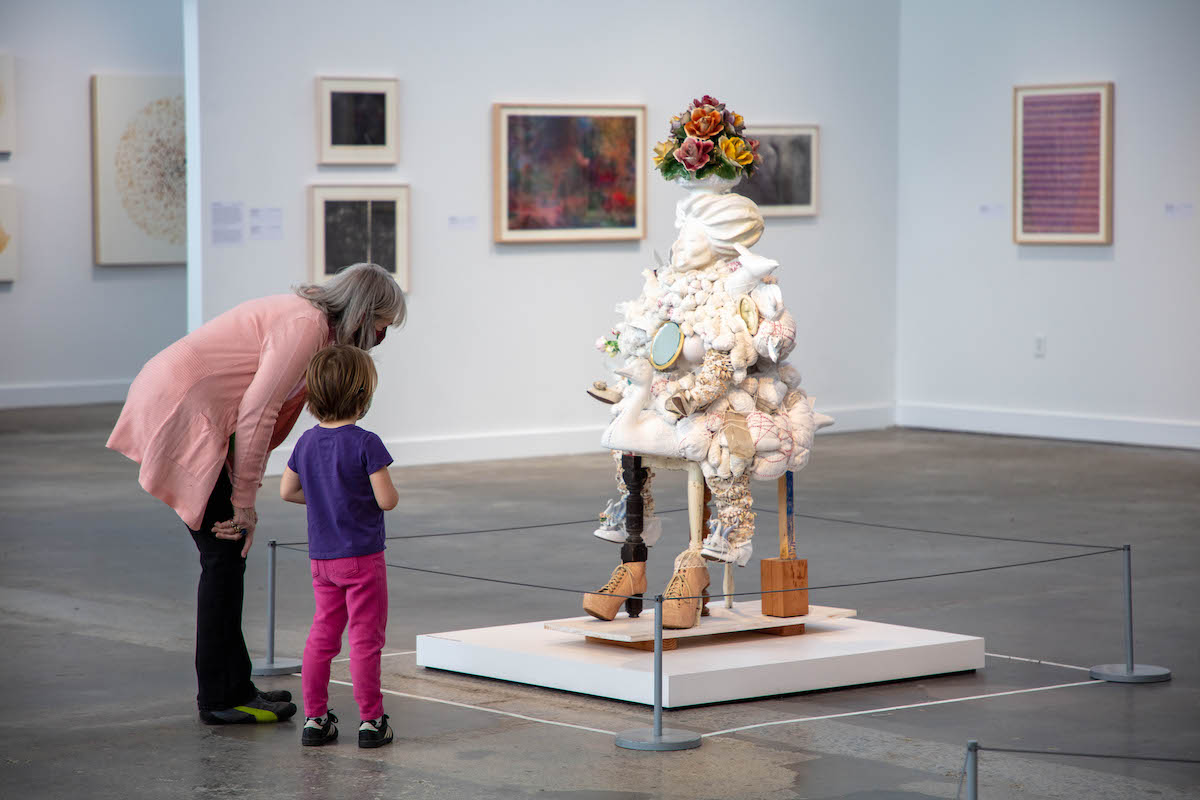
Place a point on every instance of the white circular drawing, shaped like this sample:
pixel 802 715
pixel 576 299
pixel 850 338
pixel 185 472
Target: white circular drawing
pixel 151 173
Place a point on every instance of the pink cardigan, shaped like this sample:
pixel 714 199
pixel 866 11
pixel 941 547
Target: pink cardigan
pixel 243 373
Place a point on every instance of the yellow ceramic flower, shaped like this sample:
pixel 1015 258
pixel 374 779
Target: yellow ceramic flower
pixel 738 122
pixel 662 150
pixel 736 150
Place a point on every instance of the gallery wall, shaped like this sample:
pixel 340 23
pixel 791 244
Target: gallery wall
pixel 75 332
pixel 498 348
pixel 1119 322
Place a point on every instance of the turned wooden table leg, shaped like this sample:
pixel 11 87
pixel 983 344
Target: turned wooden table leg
pixel 634 548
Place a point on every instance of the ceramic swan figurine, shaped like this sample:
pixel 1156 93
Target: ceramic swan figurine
pixel 636 428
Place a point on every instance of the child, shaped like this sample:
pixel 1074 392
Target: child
pixel 339 471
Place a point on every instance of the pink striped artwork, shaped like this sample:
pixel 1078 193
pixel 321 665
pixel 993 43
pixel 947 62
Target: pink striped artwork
pixel 1063 165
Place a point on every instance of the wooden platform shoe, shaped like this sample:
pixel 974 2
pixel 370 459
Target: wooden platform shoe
pixel 627 579
pixel 686 598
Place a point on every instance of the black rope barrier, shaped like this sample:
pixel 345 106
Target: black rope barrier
pixel 930 530
pixel 592 521
pixel 489 580
pixel 838 520
pixel 740 594
pixel 1114 756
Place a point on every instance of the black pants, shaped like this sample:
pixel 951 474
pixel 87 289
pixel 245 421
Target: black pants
pixel 222 662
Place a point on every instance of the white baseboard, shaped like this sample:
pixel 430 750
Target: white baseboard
pixel 67 393
pixel 1051 425
pixel 497 445
pixel 858 418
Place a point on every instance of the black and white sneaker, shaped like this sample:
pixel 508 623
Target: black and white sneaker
pixel 375 732
pixel 319 730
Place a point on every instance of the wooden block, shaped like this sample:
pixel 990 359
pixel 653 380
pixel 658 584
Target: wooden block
pixel 786 630
pixel 668 644
pixel 784 573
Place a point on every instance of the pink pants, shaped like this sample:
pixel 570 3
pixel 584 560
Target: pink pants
pixel 352 588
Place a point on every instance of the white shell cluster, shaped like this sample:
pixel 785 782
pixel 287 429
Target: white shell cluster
pixel 710 271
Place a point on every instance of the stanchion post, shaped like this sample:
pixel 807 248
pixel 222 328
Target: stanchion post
pixel 972 770
pixel 284 666
pixel 658 737
pixel 1129 672
pixel 658 666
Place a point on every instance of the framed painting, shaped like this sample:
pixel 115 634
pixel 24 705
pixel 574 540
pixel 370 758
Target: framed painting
pixel 353 224
pixel 10 234
pixel 1062 164
pixel 139 170
pixel 787 182
pixel 357 120
pixel 568 173
pixel 8 104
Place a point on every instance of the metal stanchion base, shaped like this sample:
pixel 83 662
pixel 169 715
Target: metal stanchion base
pixel 280 666
pixel 1142 673
pixel 671 739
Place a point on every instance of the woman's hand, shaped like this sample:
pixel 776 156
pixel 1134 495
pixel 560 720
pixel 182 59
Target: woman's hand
pixel 240 527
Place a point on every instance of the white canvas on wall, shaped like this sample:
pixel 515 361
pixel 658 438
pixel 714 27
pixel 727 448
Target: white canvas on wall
pixel 139 175
pixel 10 234
pixel 8 107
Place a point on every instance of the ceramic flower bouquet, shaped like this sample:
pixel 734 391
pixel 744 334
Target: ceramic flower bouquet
pixel 706 142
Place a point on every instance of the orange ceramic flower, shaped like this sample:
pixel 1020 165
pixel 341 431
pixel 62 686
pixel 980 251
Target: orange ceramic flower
pixel 736 150
pixel 662 150
pixel 705 123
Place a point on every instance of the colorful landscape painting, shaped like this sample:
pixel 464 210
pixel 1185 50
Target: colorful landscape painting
pixel 570 175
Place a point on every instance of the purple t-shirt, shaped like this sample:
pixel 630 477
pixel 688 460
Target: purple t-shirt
pixel 335 466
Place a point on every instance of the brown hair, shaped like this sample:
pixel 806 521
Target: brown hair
pixel 341 379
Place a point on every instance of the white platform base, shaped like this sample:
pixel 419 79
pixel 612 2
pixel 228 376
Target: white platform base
pixel 735 666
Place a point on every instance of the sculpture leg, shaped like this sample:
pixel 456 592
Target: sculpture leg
pixel 733 506
pixel 730 541
pixel 634 549
pixel 612 519
pixel 683 603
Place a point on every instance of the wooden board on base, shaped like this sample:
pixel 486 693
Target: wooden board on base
pixel 742 617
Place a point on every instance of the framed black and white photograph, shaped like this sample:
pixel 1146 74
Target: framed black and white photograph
pixel 786 183
pixel 357 120
pixel 353 224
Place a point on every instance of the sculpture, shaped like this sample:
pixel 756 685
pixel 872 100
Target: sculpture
pixel 704 377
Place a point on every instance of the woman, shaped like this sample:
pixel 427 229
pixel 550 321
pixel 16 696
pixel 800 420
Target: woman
pixel 201 418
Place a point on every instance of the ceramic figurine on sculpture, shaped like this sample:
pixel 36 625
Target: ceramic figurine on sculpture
pixel 703 376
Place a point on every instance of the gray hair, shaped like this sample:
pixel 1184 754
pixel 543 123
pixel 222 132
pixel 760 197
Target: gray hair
pixel 354 298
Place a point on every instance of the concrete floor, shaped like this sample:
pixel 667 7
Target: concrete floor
pixel 97 588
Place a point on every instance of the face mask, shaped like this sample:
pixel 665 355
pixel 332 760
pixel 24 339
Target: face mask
pixel 379 336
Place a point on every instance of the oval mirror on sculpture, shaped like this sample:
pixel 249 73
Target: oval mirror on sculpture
pixel 666 346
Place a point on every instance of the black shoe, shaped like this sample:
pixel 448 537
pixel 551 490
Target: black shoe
pixel 319 730
pixel 276 695
pixel 255 711
pixel 375 732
